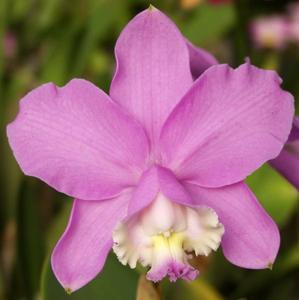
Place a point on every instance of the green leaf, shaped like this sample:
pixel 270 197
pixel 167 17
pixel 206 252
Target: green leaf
pixel 102 18
pixel 209 23
pixel 30 242
pixel 116 282
pixel 263 280
pixel 275 193
pixel 56 62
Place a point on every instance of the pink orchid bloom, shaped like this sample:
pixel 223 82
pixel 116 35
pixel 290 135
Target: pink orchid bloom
pixel 270 32
pixel 287 163
pixel 157 167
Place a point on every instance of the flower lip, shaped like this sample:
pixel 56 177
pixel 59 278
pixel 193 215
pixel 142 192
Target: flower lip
pixel 174 270
pixel 163 235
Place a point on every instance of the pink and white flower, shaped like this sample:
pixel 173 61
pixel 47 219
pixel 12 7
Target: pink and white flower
pixel 156 167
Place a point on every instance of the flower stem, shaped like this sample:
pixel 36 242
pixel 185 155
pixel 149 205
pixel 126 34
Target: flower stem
pixel 148 290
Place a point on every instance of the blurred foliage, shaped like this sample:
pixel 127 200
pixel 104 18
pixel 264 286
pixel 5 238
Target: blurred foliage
pixel 115 282
pixel 55 41
pixel 277 195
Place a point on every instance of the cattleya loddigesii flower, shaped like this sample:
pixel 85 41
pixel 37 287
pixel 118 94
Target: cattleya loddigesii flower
pixel 270 32
pixel 157 167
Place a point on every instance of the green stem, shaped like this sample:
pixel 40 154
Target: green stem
pixel 242 49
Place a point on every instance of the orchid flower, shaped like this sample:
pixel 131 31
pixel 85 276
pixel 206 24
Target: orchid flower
pixel 287 163
pixel 157 167
pixel 270 32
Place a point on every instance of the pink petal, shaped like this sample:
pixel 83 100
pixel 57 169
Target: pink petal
pixel 287 163
pixel 174 270
pixel 227 125
pixel 200 60
pixel 145 192
pixel 153 71
pixel 294 135
pixel 172 188
pixel 82 250
pixel 78 141
pixel 157 179
pixel 251 237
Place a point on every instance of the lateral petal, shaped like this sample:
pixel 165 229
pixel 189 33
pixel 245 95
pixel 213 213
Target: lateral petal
pixel 251 238
pixel 81 252
pixel 78 141
pixel 227 125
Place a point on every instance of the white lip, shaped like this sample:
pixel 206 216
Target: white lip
pixel 163 232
